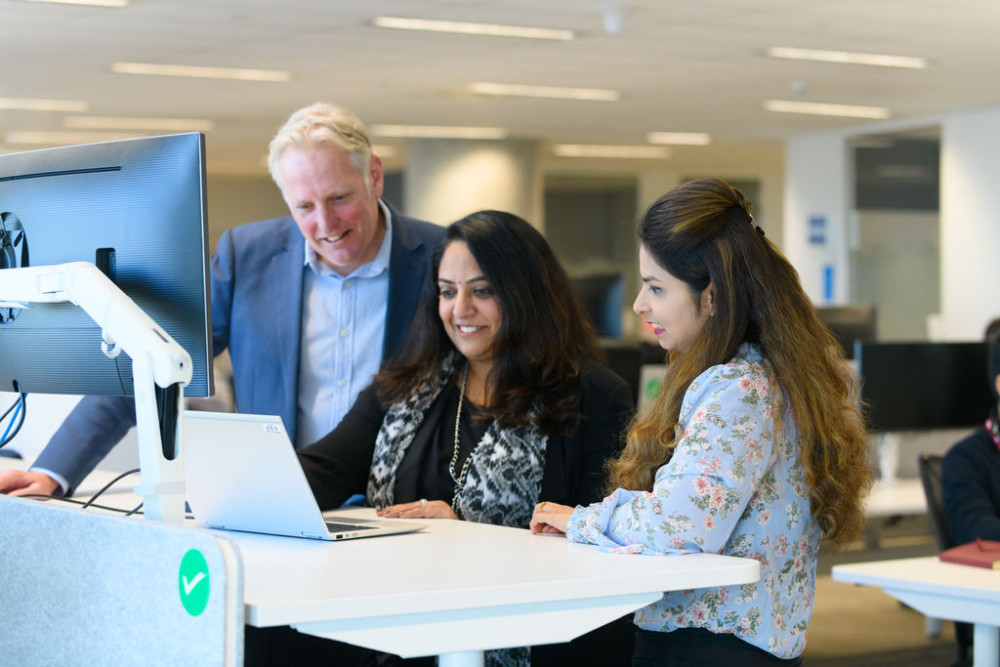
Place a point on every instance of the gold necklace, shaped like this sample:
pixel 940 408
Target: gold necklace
pixel 460 478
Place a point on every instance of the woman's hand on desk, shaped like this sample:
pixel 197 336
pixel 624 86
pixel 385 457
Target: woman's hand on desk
pixel 420 509
pixel 550 518
pixel 23 482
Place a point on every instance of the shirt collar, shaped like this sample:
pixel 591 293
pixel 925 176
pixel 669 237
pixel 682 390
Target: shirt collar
pixel 373 268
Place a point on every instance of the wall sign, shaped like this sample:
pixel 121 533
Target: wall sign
pixel 817 230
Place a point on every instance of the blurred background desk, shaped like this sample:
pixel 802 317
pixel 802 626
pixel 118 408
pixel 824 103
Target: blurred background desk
pixel 941 590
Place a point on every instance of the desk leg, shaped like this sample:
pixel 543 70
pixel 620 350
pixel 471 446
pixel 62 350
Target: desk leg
pixel 985 645
pixel 461 659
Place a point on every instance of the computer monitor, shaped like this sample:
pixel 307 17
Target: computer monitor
pixel 923 386
pixel 849 324
pixel 135 208
pixel 603 297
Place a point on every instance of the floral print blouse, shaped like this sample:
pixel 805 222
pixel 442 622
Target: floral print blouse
pixel 734 486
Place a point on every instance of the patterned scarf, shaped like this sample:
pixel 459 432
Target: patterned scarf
pixel 505 468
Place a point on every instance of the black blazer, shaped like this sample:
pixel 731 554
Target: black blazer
pixel 337 466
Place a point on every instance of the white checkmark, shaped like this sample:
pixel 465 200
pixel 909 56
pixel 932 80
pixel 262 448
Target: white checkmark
pixel 189 585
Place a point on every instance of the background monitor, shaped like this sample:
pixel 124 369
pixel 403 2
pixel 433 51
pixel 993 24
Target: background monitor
pixel 135 208
pixel 922 386
pixel 850 324
pixel 603 296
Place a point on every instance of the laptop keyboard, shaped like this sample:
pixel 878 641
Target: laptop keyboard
pixel 346 527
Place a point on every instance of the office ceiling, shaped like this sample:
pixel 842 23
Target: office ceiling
pixel 680 65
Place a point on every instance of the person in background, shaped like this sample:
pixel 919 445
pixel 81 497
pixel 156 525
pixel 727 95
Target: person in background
pixel 307 305
pixel 970 472
pixel 755 446
pixel 496 400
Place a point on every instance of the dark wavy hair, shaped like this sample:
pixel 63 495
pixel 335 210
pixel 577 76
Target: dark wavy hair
pixel 703 234
pixel 544 332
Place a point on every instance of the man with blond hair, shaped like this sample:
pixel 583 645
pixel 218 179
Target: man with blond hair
pixel 307 305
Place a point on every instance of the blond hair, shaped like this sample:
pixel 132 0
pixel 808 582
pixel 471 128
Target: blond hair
pixel 317 124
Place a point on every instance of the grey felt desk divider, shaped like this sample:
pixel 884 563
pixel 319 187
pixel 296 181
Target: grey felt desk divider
pixel 83 587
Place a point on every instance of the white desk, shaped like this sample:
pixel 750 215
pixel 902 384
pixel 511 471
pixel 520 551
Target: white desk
pixel 456 588
pixel 459 588
pixel 941 590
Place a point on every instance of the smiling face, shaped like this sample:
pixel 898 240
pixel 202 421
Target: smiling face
pixel 468 306
pixel 669 307
pixel 334 205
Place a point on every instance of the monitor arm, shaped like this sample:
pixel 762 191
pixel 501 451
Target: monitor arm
pixel 160 368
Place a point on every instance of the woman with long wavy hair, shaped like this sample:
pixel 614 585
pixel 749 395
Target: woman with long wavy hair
pixel 755 447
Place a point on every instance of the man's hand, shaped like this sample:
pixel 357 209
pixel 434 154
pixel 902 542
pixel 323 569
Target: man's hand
pixel 22 482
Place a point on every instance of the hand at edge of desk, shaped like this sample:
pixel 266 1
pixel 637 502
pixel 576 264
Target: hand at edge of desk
pixel 420 509
pixel 550 518
pixel 23 482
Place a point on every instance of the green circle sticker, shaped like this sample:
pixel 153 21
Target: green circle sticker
pixel 653 388
pixel 193 583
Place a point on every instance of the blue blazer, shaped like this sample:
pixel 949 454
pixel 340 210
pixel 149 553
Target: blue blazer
pixel 256 287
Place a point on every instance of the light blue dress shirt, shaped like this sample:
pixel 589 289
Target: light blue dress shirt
pixel 343 329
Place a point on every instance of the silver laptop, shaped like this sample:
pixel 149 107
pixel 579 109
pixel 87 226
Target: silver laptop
pixel 241 473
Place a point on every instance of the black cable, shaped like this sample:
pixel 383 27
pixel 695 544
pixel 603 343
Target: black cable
pixel 109 485
pixel 73 501
pixel 7 411
pixel 90 502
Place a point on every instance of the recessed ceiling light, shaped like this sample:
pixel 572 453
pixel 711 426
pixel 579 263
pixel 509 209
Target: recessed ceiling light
pixel 605 151
pixel 550 92
pixel 197 72
pixel 127 123
pixel 28 104
pixel 65 138
pixel 489 29
pixel 847 57
pixel 89 3
pixel 820 109
pixel 438 132
pixel 679 138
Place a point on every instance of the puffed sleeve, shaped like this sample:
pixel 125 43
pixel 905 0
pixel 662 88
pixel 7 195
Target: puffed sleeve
pixel 718 465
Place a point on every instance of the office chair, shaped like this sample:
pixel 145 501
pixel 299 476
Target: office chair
pixel 929 466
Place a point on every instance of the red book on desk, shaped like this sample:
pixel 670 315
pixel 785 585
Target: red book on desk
pixel 981 553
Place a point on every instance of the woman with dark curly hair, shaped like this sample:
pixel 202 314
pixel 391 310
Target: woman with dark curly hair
pixel 755 447
pixel 496 400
